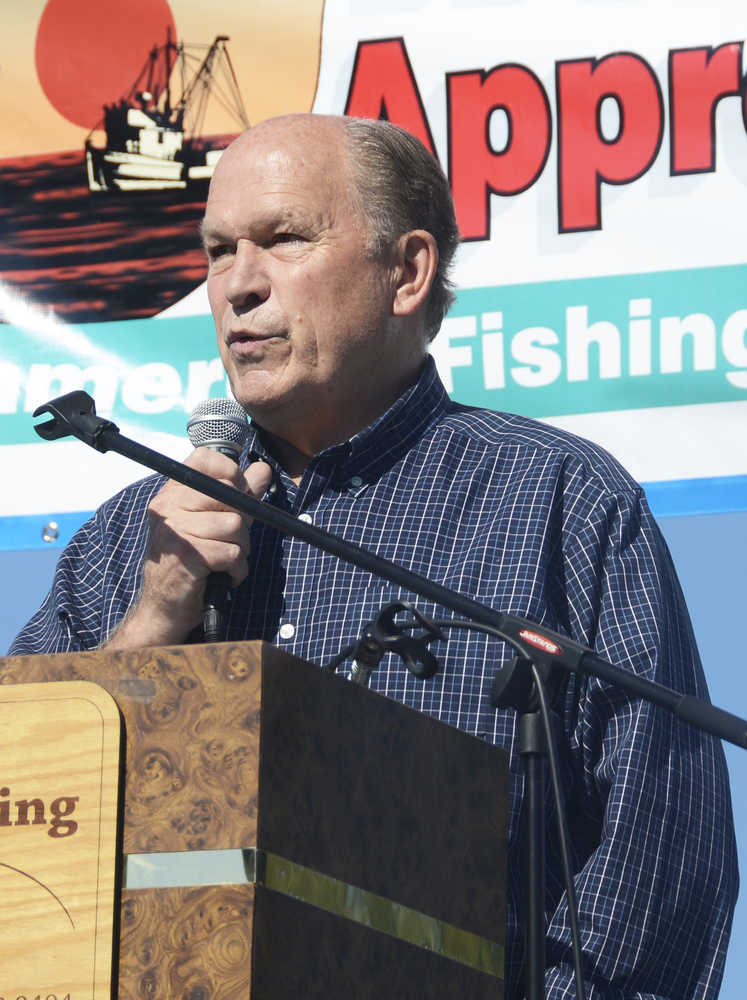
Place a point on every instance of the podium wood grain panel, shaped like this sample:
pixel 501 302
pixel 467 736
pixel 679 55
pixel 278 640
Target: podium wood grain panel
pixel 192 731
pixel 186 943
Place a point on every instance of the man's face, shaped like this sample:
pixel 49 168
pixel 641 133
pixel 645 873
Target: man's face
pixel 302 312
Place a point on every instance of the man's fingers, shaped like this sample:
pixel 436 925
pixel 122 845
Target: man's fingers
pixel 227 557
pixel 214 463
pixel 175 495
pixel 198 529
pixel 257 478
pixel 201 542
pixel 192 535
pixel 215 525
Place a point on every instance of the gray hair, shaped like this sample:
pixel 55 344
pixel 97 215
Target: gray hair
pixel 401 187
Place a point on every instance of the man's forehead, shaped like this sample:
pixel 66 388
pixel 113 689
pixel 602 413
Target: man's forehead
pixel 294 124
pixel 310 141
pixel 283 158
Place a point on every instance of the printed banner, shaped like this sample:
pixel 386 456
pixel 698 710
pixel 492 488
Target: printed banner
pixel 598 158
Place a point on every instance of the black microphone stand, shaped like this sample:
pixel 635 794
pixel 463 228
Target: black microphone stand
pixel 515 687
pixel 75 414
pixel 523 686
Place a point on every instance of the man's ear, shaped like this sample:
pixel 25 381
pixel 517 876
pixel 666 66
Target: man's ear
pixel 414 271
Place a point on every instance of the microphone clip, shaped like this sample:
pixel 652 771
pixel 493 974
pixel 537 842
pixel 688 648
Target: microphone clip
pixel 413 649
pixel 385 635
pixel 74 413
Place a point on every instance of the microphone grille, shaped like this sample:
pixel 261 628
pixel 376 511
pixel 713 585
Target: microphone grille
pixel 220 424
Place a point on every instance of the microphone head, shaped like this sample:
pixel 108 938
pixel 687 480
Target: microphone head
pixel 220 424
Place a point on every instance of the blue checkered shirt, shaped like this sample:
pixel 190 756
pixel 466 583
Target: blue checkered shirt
pixel 528 520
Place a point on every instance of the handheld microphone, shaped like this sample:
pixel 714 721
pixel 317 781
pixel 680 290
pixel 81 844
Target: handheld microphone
pixel 219 424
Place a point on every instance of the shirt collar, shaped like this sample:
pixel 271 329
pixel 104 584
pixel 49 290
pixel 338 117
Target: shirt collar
pixel 370 452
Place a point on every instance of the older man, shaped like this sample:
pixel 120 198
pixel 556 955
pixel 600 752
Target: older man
pixel 328 244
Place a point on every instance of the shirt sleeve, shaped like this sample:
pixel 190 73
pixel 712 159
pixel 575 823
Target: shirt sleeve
pixel 97 578
pixel 649 802
pixel 58 626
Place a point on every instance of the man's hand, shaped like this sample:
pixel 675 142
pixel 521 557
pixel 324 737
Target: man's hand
pixel 190 537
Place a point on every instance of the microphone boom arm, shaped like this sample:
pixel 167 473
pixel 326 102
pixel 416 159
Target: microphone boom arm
pixel 75 413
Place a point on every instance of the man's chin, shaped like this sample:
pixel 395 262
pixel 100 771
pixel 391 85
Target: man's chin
pixel 263 408
pixel 257 389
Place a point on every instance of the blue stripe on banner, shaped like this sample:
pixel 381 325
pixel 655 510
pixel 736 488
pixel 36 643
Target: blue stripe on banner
pixel 40 531
pixel 719 495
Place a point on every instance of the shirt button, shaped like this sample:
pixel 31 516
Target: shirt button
pixel 355 481
pixel 287 631
pixel 306 518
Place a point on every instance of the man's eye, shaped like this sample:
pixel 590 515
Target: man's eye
pixel 287 238
pixel 217 251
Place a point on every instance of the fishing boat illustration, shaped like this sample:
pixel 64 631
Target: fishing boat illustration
pixel 153 139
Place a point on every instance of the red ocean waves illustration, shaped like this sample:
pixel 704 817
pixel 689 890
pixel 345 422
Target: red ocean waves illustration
pixel 96 256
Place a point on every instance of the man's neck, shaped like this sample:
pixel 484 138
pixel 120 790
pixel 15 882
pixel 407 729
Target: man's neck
pixel 295 449
pixel 290 458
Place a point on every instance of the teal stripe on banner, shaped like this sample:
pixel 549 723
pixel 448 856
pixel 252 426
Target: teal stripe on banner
pixel 720 495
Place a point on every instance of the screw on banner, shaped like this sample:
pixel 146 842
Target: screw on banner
pixel 50 531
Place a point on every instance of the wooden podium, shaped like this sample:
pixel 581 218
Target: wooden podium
pixel 369 840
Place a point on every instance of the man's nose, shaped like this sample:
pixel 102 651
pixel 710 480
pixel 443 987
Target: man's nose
pixel 248 282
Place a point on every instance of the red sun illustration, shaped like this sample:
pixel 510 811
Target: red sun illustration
pixel 88 54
